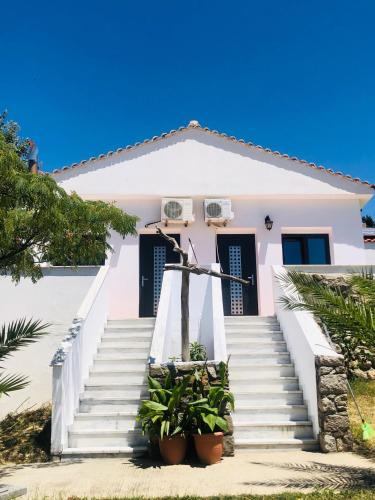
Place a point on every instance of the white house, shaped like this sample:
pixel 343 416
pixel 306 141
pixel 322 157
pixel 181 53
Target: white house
pixel 315 211
pixel 231 204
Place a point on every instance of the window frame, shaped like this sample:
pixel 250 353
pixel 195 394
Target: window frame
pixel 303 238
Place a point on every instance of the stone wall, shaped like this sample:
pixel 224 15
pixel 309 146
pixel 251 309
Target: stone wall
pixel 180 369
pixel 332 392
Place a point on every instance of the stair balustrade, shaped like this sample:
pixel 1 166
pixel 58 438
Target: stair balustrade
pixel 72 360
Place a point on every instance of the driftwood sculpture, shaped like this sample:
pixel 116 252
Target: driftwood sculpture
pixel 186 269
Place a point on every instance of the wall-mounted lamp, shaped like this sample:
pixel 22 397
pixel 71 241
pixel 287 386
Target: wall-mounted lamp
pixel 268 223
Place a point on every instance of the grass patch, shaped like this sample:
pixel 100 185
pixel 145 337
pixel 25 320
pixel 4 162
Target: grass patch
pixel 364 391
pixel 25 436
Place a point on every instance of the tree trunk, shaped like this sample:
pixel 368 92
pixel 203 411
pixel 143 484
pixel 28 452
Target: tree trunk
pixel 186 268
pixel 185 345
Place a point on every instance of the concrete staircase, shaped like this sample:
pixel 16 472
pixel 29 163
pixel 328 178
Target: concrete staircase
pixel 105 422
pixel 270 411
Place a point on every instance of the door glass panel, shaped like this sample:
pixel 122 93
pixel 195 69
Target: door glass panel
pixel 159 263
pixel 317 250
pixel 235 269
pixel 292 251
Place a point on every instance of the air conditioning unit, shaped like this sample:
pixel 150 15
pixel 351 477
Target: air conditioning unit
pixel 177 211
pixel 218 211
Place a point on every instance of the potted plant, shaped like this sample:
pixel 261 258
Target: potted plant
pixel 163 418
pixel 206 415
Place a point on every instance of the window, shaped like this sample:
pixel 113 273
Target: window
pixel 305 249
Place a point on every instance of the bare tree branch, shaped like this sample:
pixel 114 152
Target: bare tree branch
pixel 173 241
pixel 186 268
pixel 192 268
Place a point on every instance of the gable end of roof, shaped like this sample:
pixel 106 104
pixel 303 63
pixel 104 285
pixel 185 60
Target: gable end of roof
pixel 194 125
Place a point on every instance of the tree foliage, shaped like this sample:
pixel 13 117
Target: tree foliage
pixel 368 220
pixel 40 222
pixel 345 307
pixel 9 129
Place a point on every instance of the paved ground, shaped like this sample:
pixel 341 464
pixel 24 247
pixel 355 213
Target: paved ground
pixel 257 473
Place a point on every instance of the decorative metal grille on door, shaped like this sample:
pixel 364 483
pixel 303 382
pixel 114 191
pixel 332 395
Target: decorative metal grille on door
pixel 159 263
pixel 235 269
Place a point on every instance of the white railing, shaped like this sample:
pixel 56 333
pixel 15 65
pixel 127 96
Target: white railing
pixel 212 327
pixel 305 340
pixel 167 317
pixel 72 360
pixel 206 320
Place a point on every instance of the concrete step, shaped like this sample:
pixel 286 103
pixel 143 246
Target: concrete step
pixel 253 341
pixel 103 452
pixel 107 364
pixel 257 372
pixel 273 430
pixel 241 381
pixel 248 399
pixel 99 377
pixel 106 438
pixel 277 444
pixel 246 357
pixel 256 347
pixel 131 323
pixel 265 413
pixel 260 328
pixel 127 357
pixel 249 319
pixel 95 405
pixel 250 335
pixel 124 347
pixel 109 421
pixel 117 335
pixel 132 390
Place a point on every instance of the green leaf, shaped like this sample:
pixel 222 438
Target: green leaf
pixel 153 383
pixel 198 402
pixel 11 383
pixel 162 428
pixel 152 405
pixel 210 420
pixel 178 430
pixel 222 423
pixel 19 333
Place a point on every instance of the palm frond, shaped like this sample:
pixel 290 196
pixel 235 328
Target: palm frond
pixel 20 333
pixel 345 308
pixel 363 285
pixel 11 383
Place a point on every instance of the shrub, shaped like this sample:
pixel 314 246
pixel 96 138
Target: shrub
pixel 25 436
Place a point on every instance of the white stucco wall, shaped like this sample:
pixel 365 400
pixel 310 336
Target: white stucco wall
pixel 298 198
pixel 54 299
pixel 197 164
pixel 370 253
pixel 340 219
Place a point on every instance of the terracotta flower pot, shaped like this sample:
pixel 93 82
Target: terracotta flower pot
pixel 209 447
pixel 173 449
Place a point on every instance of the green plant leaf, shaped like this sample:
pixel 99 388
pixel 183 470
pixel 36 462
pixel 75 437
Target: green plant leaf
pixel 198 402
pixel 210 420
pixel 152 405
pixel 162 428
pixel 11 383
pixel 222 423
pixel 153 383
pixel 178 430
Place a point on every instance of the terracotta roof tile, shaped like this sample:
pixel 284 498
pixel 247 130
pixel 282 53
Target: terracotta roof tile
pixel 369 240
pixel 196 126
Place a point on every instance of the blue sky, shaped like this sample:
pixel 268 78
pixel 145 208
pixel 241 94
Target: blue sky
pixel 297 76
